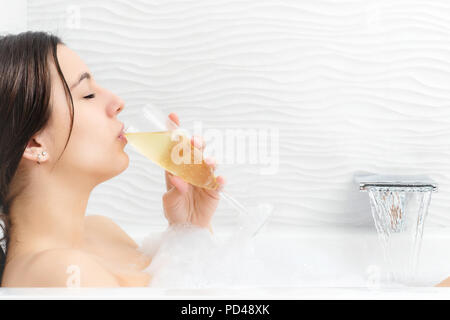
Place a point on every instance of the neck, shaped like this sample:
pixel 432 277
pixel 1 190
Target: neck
pixel 49 214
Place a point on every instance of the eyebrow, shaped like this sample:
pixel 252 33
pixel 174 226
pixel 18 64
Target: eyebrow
pixel 84 75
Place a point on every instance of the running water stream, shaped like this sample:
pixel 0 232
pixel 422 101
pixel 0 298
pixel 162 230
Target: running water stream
pixel 399 208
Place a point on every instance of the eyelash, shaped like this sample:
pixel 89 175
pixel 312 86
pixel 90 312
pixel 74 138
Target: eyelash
pixel 91 96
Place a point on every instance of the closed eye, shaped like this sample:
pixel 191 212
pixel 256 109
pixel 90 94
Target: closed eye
pixel 91 96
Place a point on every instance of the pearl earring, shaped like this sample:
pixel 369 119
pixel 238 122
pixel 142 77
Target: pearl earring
pixel 42 154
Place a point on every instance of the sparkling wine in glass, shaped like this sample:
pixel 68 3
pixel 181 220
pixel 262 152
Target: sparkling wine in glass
pixel 166 144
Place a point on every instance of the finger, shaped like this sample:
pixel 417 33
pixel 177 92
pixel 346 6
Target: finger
pixel 198 142
pixel 173 121
pixel 169 184
pixel 210 161
pixel 221 181
pixel 181 185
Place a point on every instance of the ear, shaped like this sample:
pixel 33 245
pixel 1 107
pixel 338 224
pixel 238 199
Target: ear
pixel 35 150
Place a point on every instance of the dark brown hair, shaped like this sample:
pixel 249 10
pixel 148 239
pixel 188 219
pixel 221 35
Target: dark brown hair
pixel 25 91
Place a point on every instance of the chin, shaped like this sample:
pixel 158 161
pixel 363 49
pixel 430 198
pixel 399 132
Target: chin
pixel 107 168
pixel 120 165
pixel 124 162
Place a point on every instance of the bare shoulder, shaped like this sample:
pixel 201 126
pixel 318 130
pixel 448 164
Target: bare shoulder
pixel 62 268
pixel 97 224
pixel 445 283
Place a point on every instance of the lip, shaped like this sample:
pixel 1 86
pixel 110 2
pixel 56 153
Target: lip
pixel 121 135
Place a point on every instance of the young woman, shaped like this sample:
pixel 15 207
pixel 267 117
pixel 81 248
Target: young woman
pixel 59 138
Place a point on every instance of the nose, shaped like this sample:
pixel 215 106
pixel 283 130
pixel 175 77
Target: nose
pixel 115 104
pixel 120 106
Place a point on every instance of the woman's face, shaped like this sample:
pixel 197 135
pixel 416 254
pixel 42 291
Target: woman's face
pixel 94 150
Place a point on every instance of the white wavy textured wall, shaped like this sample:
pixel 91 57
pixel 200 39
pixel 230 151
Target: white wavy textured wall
pixel 13 16
pixel 351 85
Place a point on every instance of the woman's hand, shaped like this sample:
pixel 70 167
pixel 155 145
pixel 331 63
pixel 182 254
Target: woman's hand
pixel 186 203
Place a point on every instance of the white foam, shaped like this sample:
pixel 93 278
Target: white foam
pixel 185 256
pixel 191 257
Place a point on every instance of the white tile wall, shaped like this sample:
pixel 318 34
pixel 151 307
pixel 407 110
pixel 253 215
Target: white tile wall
pixel 352 85
pixel 13 16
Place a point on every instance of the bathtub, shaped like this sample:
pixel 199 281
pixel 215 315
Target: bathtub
pixel 339 260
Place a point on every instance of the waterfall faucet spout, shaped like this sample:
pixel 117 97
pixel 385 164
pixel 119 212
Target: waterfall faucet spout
pixel 399 206
pixel 405 183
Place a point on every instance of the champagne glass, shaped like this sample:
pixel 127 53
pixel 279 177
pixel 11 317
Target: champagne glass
pixel 166 144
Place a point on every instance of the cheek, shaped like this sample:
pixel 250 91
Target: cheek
pixel 90 143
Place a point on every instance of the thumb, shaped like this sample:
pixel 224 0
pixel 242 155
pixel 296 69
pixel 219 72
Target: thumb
pixel 171 201
pixel 171 198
